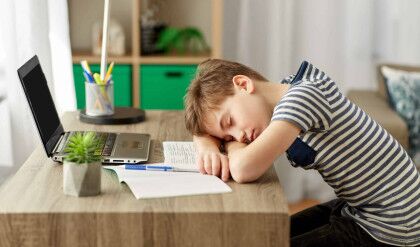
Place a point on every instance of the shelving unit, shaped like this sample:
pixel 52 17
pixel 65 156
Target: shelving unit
pixel 204 14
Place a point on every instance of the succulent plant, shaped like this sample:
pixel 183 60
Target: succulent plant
pixel 81 148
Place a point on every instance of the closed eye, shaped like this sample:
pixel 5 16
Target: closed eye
pixel 229 121
pixel 226 123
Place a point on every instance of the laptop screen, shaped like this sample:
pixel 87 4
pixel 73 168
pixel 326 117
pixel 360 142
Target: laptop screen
pixel 41 103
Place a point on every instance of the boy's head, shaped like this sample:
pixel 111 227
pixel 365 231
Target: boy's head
pixel 222 101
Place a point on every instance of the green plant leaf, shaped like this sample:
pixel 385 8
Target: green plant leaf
pixel 81 148
pixel 189 39
pixel 166 38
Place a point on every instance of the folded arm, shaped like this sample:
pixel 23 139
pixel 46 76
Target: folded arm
pixel 248 162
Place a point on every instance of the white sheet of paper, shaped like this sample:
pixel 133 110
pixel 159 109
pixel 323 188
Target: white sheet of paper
pixel 180 155
pixel 153 184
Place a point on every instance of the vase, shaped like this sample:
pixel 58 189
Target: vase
pixel 82 179
pixel 149 35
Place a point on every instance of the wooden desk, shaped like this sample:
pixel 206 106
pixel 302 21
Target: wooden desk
pixel 35 212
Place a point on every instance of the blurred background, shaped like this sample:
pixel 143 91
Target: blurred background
pixel 156 45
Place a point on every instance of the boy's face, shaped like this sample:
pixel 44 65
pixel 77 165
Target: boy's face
pixel 241 117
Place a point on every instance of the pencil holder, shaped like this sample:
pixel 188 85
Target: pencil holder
pixel 99 99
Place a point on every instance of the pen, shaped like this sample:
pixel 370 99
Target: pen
pixel 149 168
pixel 88 77
pixel 163 168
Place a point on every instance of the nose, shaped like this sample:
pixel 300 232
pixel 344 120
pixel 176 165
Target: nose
pixel 240 136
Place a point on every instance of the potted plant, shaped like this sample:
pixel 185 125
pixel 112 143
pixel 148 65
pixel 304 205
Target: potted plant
pixel 82 166
pixel 187 40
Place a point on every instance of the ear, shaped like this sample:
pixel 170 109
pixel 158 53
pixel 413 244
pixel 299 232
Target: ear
pixel 243 82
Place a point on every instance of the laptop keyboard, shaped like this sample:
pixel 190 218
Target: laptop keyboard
pixel 105 144
pixel 109 144
pixel 102 139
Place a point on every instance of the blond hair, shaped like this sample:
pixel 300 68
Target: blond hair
pixel 210 87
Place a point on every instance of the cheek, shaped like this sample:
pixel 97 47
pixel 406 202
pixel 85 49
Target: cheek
pixel 255 109
pixel 216 132
pixel 248 116
pixel 257 113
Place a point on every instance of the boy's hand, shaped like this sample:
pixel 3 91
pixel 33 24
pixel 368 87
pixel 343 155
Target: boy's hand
pixel 214 163
pixel 209 159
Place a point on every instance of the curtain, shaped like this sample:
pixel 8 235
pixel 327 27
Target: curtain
pixel 260 34
pixel 28 28
pixel 397 35
pixel 344 38
pixel 275 36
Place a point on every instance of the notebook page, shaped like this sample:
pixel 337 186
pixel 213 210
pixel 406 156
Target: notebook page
pixel 180 155
pixel 155 184
pixel 176 184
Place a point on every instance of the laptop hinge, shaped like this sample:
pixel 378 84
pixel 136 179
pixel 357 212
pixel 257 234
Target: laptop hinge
pixel 60 144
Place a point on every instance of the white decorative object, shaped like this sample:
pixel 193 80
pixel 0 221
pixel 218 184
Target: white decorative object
pixel 116 38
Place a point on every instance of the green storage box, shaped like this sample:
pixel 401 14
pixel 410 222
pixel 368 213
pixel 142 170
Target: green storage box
pixel 163 86
pixel 121 75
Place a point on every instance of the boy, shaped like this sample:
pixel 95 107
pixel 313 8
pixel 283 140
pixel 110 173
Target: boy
pixel 306 116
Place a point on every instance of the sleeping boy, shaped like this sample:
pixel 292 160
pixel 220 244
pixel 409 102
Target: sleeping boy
pixel 241 122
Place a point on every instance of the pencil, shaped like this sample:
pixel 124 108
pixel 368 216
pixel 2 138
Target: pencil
pixel 108 73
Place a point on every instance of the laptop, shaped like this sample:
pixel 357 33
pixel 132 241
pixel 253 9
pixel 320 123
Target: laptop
pixel 115 148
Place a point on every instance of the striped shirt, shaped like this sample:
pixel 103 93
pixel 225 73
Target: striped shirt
pixel 358 158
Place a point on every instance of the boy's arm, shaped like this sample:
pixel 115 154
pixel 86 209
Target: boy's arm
pixel 249 162
pixel 209 159
pixel 207 141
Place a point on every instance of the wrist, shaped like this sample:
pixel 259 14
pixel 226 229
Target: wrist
pixel 207 143
pixel 233 146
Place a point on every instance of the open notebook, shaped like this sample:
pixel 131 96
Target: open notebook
pixel 153 184
pixel 180 155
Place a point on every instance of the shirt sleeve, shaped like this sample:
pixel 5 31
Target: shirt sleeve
pixel 306 107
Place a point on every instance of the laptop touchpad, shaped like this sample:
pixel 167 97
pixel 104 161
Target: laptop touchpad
pixel 132 146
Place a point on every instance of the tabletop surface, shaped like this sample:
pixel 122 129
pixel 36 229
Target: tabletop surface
pixel 37 187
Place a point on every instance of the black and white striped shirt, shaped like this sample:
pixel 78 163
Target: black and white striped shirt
pixel 358 158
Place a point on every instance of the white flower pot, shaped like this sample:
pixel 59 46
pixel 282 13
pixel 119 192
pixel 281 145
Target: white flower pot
pixel 82 179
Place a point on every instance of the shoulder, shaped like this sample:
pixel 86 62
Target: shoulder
pixel 306 106
pixel 305 93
